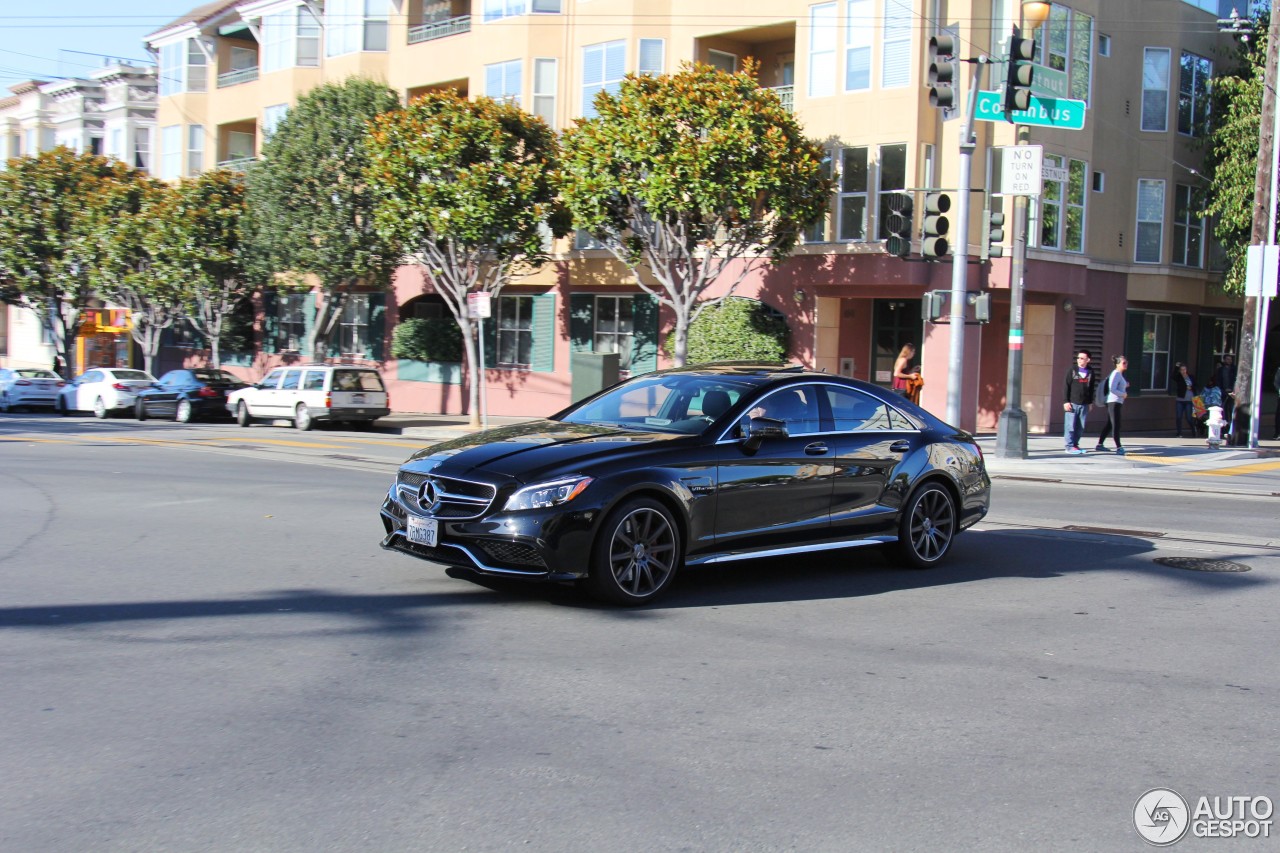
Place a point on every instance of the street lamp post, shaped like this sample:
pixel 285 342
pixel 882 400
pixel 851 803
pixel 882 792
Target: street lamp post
pixel 1011 430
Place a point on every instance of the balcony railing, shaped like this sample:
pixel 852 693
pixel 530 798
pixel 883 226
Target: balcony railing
pixel 439 29
pixel 235 78
pixel 786 94
pixel 236 164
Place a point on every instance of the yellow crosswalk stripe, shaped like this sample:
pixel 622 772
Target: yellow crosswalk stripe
pixel 1251 468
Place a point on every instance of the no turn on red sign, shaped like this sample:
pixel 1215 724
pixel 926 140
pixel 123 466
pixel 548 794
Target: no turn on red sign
pixel 1021 170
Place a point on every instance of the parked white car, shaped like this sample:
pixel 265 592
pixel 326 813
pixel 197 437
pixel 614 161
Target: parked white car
pixel 28 387
pixel 104 390
pixel 309 393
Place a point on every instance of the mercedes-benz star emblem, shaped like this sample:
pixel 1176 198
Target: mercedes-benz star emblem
pixel 427 494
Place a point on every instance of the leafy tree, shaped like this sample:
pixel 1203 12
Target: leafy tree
pixel 692 178
pixel 196 240
pixel 467 189
pixel 311 206
pixel 427 339
pixel 55 209
pixel 738 329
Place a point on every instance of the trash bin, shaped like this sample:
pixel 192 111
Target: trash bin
pixel 591 372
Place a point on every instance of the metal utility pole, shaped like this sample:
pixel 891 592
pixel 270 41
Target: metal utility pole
pixel 1011 430
pixel 959 254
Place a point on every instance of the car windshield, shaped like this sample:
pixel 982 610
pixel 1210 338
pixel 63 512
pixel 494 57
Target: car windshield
pixel 673 403
pixel 356 380
pixel 38 374
pixel 133 374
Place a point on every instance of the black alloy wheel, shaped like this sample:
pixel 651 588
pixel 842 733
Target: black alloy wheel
pixel 636 555
pixel 927 527
pixel 140 410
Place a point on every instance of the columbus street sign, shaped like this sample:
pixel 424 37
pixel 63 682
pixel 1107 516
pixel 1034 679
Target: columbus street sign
pixel 1062 113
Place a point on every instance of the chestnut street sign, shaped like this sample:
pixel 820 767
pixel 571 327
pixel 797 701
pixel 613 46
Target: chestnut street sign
pixel 1062 113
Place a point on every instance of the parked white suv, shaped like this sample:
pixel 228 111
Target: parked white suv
pixel 308 393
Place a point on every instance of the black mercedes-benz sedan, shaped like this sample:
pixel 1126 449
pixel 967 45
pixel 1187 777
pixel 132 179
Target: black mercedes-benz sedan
pixel 687 467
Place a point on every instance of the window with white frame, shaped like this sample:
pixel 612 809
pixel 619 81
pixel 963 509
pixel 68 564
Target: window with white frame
pixel 183 68
pixel 895 45
pixel 243 58
pixel 1194 74
pixel 603 67
pixel 496 10
pixel 503 81
pixel 544 90
pixel 289 39
pixel 1188 226
pixel 615 327
pixel 117 145
pixel 271 118
pixel 515 331
pixel 822 50
pixel 1061 205
pixel 171 152
pixel 816 231
pixel 726 62
pixel 652 55
pixel 1156 334
pixel 195 149
pixel 1225 337
pixel 859 34
pixel 852 211
pixel 1150 221
pixel 1064 42
pixel 142 148
pixel 892 170
pixel 353 327
pixel 1155 89
pixel 291 335
pixel 240 145
pixel 355 25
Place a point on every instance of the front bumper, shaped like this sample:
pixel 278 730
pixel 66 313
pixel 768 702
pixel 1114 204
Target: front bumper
pixel 538 545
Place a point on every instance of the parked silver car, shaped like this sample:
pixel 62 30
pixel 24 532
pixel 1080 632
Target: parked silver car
pixel 28 387
pixel 103 390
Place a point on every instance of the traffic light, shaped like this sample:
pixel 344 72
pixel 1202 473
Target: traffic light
pixel 901 209
pixel 933 245
pixel 934 305
pixel 993 234
pixel 1017 85
pixel 982 307
pixel 942 71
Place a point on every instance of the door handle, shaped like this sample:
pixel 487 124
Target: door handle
pixel 901 446
pixel 815 449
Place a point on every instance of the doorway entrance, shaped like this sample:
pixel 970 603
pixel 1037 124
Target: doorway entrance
pixel 896 322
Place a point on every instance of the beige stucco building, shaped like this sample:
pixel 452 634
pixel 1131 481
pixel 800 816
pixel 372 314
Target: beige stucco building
pixel 1117 262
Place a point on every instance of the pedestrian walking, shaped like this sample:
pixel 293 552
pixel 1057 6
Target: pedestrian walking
pixel 1226 376
pixel 1078 390
pixel 902 373
pixel 1185 386
pixel 1116 390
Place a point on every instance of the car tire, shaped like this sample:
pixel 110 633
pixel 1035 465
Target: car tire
pixel 183 413
pixel 636 555
pixel 302 419
pixel 99 409
pixel 928 526
pixel 243 418
pixel 61 408
pixel 140 411
pixel 4 402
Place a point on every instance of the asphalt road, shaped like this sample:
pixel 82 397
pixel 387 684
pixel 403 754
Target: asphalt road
pixel 203 648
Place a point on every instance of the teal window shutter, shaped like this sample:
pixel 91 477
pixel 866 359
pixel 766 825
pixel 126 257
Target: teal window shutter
pixel 1179 348
pixel 1204 353
pixel 644 343
pixel 1134 323
pixel 270 321
pixel 377 329
pixel 308 323
pixel 544 333
pixel 582 322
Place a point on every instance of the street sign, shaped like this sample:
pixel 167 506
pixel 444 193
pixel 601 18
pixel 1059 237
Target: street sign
pixel 1062 113
pixel 1054 173
pixel 1021 170
pixel 1050 82
pixel 478 306
pixel 1261 266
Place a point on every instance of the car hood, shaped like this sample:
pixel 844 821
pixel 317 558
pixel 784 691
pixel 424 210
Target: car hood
pixel 526 451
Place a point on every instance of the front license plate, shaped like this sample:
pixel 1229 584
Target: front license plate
pixel 423 531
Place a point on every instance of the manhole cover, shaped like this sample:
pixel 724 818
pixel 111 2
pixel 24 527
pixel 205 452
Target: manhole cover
pixel 1200 564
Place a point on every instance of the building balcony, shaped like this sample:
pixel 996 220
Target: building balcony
pixel 236 164
pixel 235 78
pixel 440 29
pixel 786 94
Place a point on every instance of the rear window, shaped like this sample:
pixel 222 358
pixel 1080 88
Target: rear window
pixel 357 380
pixel 131 374
pixel 214 376
pixel 39 374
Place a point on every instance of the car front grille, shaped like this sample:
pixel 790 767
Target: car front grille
pixel 444 497
pixel 513 553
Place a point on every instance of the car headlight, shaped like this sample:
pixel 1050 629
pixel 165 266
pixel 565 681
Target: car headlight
pixel 544 495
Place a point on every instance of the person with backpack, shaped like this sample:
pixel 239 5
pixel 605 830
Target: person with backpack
pixel 1185 386
pixel 1077 393
pixel 1116 389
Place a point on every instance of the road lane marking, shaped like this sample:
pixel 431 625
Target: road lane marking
pixel 1251 468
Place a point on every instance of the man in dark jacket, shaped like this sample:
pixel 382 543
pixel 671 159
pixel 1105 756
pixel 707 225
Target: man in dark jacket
pixel 1226 376
pixel 1077 394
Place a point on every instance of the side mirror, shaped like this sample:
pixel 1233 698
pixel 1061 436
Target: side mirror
pixel 754 431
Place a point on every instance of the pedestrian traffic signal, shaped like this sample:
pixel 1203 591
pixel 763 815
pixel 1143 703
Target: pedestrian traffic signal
pixel 901 209
pixel 933 244
pixel 993 234
pixel 942 71
pixel 934 305
pixel 1017 86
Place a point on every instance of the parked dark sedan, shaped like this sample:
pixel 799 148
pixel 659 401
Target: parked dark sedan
pixel 688 467
pixel 185 395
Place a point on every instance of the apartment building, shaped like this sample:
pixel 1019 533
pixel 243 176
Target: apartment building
pixel 110 111
pixel 1116 260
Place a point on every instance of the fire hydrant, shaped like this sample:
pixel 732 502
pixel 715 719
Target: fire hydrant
pixel 1215 424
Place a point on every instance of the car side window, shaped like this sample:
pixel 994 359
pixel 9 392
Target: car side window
pixel 290 382
pixel 313 380
pixel 272 379
pixel 852 410
pixel 91 376
pixel 796 406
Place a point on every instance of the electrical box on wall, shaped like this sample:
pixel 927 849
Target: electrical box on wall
pixel 846 367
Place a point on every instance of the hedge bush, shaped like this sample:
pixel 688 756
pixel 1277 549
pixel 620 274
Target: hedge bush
pixel 427 339
pixel 737 329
